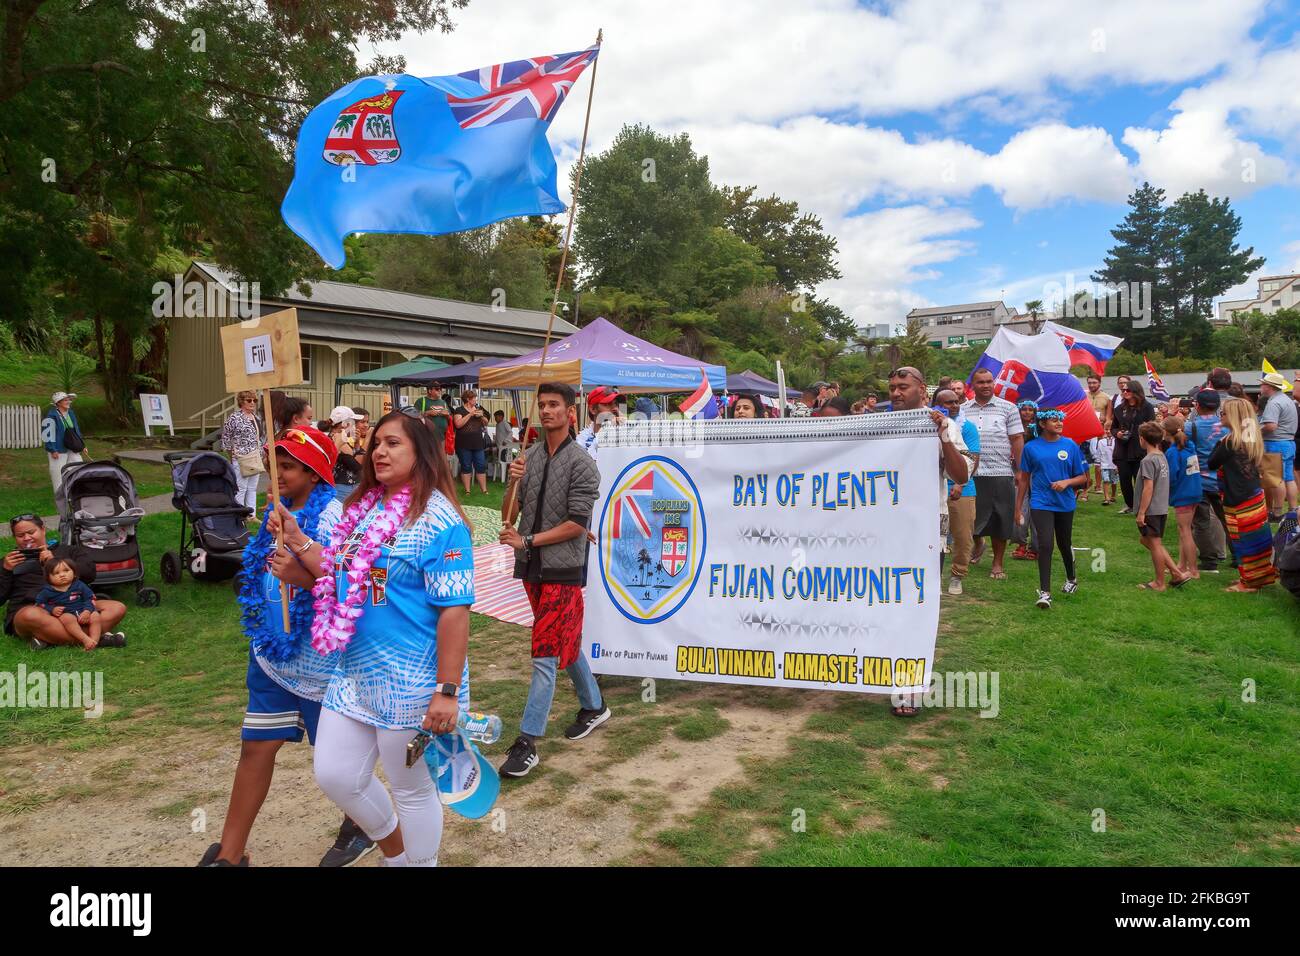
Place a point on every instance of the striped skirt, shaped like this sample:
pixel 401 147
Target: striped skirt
pixel 1251 542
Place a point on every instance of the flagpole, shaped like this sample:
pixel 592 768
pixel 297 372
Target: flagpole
pixel 559 278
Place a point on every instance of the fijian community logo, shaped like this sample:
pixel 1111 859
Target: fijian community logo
pixel 652 538
pixel 364 133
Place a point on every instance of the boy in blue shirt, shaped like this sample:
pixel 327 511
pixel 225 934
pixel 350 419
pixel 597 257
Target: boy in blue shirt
pixel 1051 467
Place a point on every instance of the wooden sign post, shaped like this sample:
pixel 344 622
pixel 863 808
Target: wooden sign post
pixel 262 354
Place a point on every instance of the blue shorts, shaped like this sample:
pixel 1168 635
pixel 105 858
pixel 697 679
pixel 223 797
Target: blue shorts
pixel 472 461
pixel 274 713
pixel 1287 450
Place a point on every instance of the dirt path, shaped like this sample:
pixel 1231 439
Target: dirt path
pixel 148 801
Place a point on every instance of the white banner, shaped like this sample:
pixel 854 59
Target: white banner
pixel 788 553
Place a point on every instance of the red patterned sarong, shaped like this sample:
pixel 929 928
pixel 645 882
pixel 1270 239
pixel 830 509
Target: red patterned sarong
pixel 557 620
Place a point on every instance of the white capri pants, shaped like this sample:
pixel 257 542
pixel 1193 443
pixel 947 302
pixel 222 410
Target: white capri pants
pixel 246 489
pixel 346 751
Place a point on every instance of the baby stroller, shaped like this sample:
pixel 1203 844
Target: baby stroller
pixel 203 491
pixel 99 512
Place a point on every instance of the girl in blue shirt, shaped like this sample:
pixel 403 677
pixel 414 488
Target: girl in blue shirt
pixel 1185 490
pixel 1051 467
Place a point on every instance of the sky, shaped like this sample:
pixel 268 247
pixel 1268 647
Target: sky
pixel 958 151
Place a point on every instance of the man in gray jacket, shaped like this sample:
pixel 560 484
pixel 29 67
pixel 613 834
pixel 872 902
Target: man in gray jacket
pixel 553 487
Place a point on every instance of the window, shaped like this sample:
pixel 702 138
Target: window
pixel 369 359
pixel 306 364
pixel 1277 303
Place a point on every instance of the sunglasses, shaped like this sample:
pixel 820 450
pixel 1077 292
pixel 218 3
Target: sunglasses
pixel 16 519
pixel 410 411
pixel 907 371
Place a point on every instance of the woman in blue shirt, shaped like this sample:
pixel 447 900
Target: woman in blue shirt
pixel 1185 490
pixel 1051 467
pixel 396 585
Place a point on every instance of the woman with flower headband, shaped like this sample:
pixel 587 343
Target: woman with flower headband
pixel 286 677
pixel 1051 467
pixel 393 597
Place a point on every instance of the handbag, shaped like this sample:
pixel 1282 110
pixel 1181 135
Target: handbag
pixel 250 463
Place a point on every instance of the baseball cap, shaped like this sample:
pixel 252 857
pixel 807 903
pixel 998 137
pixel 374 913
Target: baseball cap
pixel 343 413
pixel 60 396
pixel 1208 398
pixel 467 783
pixel 313 448
pixel 602 395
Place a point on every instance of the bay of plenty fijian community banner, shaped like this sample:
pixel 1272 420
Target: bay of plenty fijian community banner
pixel 788 553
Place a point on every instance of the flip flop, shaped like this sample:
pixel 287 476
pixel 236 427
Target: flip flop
pixel 907 710
pixel 998 575
pixel 1147 586
pixel 1179 583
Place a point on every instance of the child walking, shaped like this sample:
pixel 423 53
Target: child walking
pixel 1104 451
pixel 70 601
pixel 1051 468
pixel 286 677
pixel 1151 498
pixel 1184 490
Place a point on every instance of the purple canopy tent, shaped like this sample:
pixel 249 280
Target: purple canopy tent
pixel 603 354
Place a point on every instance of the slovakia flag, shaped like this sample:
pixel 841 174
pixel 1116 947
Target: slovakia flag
pixel 701 403
pixel 1038 367
pixel 1086 348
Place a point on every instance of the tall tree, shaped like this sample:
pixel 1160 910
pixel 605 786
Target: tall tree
pixel 644 214
pixel 795 245
pixel 136 129
pixel 1141 253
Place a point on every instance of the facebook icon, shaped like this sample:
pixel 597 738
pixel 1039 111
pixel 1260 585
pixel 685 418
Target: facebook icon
pixel 595 650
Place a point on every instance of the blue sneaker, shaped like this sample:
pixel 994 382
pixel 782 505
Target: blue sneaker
pixel 352 844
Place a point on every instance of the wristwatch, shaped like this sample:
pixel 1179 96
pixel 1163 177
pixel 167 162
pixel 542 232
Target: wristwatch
pixel 447 690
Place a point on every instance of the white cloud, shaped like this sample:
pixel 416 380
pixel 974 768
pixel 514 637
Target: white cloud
pixel 1260 90
pixel 1199 151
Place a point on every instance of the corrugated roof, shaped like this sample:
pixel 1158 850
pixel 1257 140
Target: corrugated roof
pixel 345 295
pixel 402 335
pixel 951 309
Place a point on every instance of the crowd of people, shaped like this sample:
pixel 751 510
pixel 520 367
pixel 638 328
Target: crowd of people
pixel 375 556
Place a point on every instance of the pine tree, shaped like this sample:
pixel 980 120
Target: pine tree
pixel 1140 255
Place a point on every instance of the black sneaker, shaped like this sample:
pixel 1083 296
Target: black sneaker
pixel 521 758
pixel 210 858
pixel 352 844
pixel 586 722
pixel 112 639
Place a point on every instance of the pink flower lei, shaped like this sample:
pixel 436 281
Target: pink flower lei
pixel 335 621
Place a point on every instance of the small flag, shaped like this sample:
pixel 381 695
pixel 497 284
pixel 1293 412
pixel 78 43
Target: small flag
pixel 1086 348
pixel 701 403
pixel 1155 387
pixel 1268 368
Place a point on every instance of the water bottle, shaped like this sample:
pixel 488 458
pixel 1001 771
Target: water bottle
pixel 481 728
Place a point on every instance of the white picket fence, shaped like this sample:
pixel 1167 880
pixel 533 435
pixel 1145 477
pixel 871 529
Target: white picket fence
pixel 20 426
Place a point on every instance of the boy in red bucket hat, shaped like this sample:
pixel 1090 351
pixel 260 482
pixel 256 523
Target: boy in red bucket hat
pixel 286 677
pixel 602 408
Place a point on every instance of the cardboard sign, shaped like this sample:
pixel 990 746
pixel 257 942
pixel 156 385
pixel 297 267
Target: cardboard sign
pixel 262 353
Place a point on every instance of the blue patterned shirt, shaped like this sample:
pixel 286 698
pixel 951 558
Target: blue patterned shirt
pixel 385 676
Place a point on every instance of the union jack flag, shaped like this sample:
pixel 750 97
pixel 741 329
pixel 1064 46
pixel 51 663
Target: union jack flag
pixel 520 89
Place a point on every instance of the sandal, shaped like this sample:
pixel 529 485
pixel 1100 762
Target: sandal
pixel 1148 586
pixel 998 575
pixel 905 710
pixel 1179 582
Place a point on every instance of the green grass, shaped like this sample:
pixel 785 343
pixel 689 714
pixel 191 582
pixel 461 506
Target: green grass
pixel 25 475
pixel 1116 699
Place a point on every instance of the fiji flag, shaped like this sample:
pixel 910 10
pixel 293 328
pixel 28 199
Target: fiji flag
pixel 701 403
pixel 1038 367
pixel 1086 348
pixel 429 155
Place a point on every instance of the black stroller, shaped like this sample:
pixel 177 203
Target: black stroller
pixel 203 491
pixel 99 512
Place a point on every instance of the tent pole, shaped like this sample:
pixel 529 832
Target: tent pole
pixel 508 506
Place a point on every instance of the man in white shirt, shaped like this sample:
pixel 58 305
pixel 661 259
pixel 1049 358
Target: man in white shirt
pixel 907 391
pixel 1002 437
